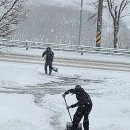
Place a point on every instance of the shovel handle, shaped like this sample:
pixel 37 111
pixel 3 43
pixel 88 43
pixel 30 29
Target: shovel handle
pixel 68 109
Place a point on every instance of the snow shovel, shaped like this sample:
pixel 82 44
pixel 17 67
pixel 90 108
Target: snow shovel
pixel 67 109
pixel 69 124
pixel 55 69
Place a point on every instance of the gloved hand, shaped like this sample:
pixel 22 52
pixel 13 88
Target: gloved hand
pixel 63 95
pixel 68 107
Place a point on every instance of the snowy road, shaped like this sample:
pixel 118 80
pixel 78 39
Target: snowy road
pixel 95 64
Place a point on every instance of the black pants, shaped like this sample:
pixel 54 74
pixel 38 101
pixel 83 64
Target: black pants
pixel 50 67
pixel 82 111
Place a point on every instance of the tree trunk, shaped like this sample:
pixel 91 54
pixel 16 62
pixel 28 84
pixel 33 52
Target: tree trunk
pixel 116 30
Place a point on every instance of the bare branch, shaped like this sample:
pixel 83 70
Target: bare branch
pixel 128 14
pixel 78 3
pixel 110 7
pixel 93 16
pixel 123 5
pixel 12 13
pixel 93 4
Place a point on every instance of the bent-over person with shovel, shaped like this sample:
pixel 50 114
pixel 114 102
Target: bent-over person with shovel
pixel 84 105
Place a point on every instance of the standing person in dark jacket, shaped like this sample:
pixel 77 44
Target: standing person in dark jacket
pixel 84 105
pixel 48 54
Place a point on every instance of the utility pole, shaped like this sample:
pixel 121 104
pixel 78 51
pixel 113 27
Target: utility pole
pixel 80 23
pixel 99 23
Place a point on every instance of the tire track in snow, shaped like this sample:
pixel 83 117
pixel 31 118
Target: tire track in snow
pixel 81 63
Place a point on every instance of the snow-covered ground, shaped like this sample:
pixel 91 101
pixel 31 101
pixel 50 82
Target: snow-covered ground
pixel 30 100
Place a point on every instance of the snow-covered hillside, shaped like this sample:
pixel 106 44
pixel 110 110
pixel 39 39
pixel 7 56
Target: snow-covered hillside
pixel 73 3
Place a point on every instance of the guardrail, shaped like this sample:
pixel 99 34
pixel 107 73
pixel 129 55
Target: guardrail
pixel 64 47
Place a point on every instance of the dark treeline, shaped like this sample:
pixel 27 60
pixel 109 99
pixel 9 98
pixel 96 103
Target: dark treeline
pixel 55 24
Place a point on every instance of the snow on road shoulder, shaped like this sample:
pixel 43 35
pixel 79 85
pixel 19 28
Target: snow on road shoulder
pixel 20 74
pixel 19 112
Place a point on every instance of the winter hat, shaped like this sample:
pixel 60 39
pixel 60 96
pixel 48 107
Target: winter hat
pixel 77 87
pixel 48 48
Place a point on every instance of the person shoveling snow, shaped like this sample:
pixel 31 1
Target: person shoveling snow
pixel 84 105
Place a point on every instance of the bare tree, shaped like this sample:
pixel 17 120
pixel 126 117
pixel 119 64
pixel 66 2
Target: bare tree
pixel 11 13
pixel 116 13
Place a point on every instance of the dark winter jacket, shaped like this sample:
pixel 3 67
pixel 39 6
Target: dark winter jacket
pixel 49 55
pixel 82 97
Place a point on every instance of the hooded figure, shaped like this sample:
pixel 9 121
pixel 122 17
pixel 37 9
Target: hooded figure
pixel 84 105
pixel 48 54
